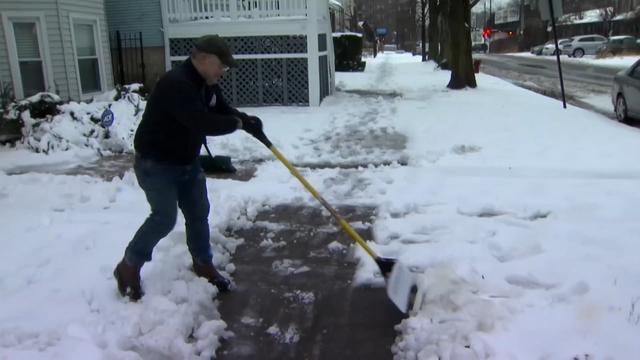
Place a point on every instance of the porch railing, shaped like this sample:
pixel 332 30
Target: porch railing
pixel 194 10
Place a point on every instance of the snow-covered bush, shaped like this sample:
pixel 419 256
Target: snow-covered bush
pixel 48 125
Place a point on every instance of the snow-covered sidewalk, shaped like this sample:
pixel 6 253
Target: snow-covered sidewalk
pixel 520 216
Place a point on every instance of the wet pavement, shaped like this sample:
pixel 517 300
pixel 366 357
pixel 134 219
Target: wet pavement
pixel 111 166
pixel 295 298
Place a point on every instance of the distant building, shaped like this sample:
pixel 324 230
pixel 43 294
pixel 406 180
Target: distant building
pixel 342 15
pixel 396 20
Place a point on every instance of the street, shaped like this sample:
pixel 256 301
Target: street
pixel 587 86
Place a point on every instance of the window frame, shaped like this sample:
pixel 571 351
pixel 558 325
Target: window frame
pixel 8 19
pixel 94 21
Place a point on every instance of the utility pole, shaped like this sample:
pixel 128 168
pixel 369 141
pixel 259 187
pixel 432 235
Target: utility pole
pixel 423 31
pixel 555 38
pixel 485 12
pixel 490 12
pixel 521 38
pixel 522 17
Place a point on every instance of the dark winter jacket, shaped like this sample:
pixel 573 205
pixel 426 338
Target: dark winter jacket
pixel 180 112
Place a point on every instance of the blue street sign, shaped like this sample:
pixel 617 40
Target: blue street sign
pixel 381 31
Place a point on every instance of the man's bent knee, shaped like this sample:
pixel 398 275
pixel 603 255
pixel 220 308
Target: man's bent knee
pixel 164 222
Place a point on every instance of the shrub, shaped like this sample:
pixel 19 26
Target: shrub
pixel 6 95
pixel 28 113
pixel 46 124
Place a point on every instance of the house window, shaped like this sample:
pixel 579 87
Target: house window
pixel 30 61
pixel 85 39
pixel 25 35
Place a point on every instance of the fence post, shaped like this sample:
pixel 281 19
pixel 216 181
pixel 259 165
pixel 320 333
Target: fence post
pixel 144 79
pixel 120 58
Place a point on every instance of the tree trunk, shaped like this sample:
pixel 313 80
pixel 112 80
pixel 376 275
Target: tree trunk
pixel 444 32
pixel 434 35
pixel 460 44
pixel 423 29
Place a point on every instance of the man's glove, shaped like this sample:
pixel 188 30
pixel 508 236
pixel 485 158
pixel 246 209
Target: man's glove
pixel 252 125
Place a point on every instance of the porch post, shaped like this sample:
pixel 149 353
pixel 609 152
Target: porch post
pixel 313 56
pixel 331 60
pixel 165 34
pixel 233 9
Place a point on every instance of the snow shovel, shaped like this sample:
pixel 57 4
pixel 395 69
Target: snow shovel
pixel 401 284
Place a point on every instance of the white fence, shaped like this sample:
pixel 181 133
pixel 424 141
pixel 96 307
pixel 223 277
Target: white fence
pixel 193 10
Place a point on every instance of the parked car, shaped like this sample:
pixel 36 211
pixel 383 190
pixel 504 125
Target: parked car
pixel 390 47
pixel 578 46
pixel 537 50
pixel 479 47
pixel 619 44
pixel 550 49
pixel 625 93
pixel 418 48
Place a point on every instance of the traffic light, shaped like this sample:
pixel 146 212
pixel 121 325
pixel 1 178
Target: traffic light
pixel 487 32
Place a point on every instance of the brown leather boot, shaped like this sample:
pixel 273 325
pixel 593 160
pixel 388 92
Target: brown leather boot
pixel 209 272
pixel 128 278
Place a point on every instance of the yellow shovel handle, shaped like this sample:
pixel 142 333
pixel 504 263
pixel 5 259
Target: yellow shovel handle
pixel 345 225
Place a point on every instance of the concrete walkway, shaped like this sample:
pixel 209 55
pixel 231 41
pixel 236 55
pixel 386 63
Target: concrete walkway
pixel 294 297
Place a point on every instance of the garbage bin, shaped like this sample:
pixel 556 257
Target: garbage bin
pixel 476 66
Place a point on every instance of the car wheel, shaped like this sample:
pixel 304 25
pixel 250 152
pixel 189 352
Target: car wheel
pixel 621 108
pixel 578 53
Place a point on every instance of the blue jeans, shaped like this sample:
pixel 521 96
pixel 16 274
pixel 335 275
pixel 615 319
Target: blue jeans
pixel 168 187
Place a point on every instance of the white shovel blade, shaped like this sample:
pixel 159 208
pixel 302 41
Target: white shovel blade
pixel 401 287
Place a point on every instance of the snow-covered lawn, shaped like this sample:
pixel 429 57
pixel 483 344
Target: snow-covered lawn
pixel 520 217
pixel 621 62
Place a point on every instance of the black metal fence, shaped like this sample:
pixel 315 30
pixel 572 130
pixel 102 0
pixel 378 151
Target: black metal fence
pixel 127 57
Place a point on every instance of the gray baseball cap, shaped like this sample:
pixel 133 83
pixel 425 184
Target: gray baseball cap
pixel 214 44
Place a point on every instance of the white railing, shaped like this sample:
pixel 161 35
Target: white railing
pixel 193 10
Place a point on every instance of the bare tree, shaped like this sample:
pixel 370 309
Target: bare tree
pixel 422 19
pixel 450 39
pixel 459 20
pixel 434 33
pixel 444 32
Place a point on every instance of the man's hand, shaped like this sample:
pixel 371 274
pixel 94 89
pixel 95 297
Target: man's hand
pixel 252 125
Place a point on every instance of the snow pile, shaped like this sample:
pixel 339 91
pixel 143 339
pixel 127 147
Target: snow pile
pixel 81 125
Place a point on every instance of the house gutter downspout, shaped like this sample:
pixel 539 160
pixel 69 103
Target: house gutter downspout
pixel 64 51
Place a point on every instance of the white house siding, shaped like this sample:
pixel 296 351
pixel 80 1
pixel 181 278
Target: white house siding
pixel 90 8
pixel 59 42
